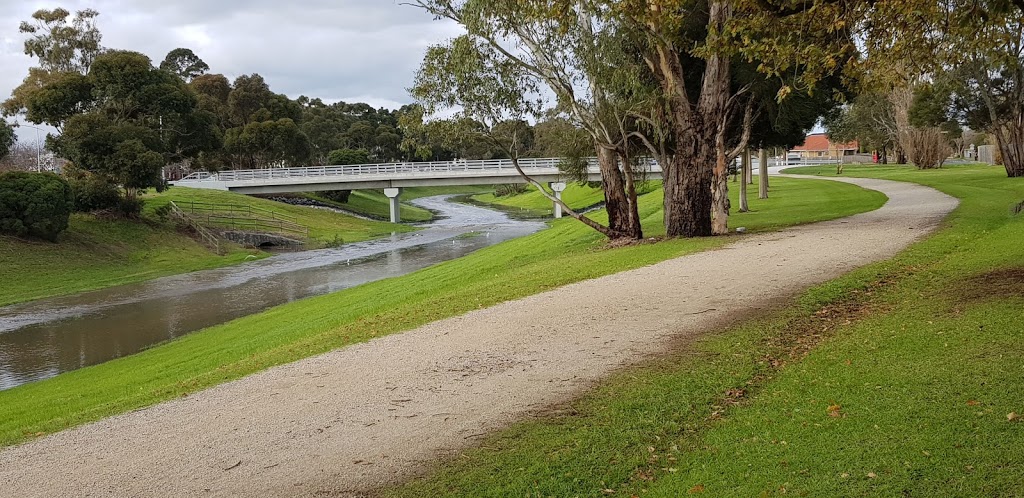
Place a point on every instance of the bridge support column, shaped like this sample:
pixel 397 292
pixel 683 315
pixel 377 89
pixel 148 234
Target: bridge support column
pixel 558 188
pixel 393 195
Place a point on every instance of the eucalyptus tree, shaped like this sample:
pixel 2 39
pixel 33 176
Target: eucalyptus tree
pixel 691 48
pixel 63 45
pixel 490 91
pixel 569 51
pixel 185 64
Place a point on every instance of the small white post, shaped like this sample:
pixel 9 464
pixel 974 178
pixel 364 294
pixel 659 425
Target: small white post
pixel 393 195
pixel 558 188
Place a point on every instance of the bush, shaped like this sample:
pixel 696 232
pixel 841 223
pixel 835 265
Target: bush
pixel 337 195
pixel 129 207
pixel 348 156
pixel 34 204
pixel 927 148
pixel 509 189
pixel 94 193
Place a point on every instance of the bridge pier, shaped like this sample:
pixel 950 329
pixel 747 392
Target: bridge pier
pixel 396 208
pixel 557 188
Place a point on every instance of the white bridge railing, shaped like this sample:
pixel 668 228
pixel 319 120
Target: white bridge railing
pixel 440 168
pixel 387 169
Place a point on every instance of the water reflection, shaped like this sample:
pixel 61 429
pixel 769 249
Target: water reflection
pixel 44 338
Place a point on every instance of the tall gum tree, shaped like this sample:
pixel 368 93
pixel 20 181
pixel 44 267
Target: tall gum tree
pixel 493 96
pixel 797 43
pixel 563 47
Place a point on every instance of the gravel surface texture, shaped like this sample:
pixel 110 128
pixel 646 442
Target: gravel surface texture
pixel 346 422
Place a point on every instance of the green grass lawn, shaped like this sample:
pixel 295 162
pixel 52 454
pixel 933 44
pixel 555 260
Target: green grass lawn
pixel 567 252
pixel 896 380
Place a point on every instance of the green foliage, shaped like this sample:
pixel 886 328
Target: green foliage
pixel 93 192
pixel 62 46
pixel 348 156
pixel 64 96
pixel 510 189
pixel 264 143
pixel 7 139
pixel 34 204
pixel 184 63
pixel 341 196
pixel 134 119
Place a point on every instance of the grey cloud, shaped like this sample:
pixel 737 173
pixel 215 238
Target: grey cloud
pixel 332 49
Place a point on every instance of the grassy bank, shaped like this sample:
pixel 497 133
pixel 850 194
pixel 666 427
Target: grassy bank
pixel 93 254
pixel 532 204
pixel 566 253
pixel 324 226
pixel 97 253
pixel 896 380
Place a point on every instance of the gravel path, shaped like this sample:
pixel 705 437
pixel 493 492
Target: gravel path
pixel 353 419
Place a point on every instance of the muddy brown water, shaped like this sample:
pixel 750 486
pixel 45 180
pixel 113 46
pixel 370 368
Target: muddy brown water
pixel 45 338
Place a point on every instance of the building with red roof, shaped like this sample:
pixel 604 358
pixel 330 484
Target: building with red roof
pixel 819 146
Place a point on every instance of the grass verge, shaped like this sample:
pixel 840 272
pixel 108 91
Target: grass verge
pixel 566 253
pixel 899 379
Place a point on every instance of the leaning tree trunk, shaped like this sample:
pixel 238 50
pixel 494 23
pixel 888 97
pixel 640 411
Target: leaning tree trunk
pixel 616 203
pixel 1010 138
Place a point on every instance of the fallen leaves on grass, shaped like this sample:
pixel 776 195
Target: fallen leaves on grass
pixel 1013 417
pixel 834 411
pixel 696 489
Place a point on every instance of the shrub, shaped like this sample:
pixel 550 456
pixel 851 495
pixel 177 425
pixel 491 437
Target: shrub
pixel 94 193
pixel 348 156
pixel 337 195
pixel 34 204
pixel 129 207
pixel 927 148
pixel 509 189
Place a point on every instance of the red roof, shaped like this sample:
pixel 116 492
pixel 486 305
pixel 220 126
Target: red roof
pixel 819 142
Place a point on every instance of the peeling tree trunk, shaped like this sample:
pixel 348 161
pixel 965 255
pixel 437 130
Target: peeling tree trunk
pixel 1010 138
pixel 616 202
pixel 688 191
pixel 634 228
pixel 762 159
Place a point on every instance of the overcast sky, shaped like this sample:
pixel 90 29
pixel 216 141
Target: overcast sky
pixel 351 50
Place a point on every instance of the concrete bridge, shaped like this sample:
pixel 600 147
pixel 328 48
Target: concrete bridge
pixel 392 177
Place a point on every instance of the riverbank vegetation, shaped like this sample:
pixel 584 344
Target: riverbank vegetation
pixel 566 253
pixel 97 252
pixel 900 377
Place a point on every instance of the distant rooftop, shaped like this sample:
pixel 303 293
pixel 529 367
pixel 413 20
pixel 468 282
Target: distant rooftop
pixel 819 142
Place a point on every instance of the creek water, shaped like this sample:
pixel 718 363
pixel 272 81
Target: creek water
pixel 45 338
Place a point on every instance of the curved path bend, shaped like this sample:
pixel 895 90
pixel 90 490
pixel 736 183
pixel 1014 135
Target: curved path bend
pixel 359 417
